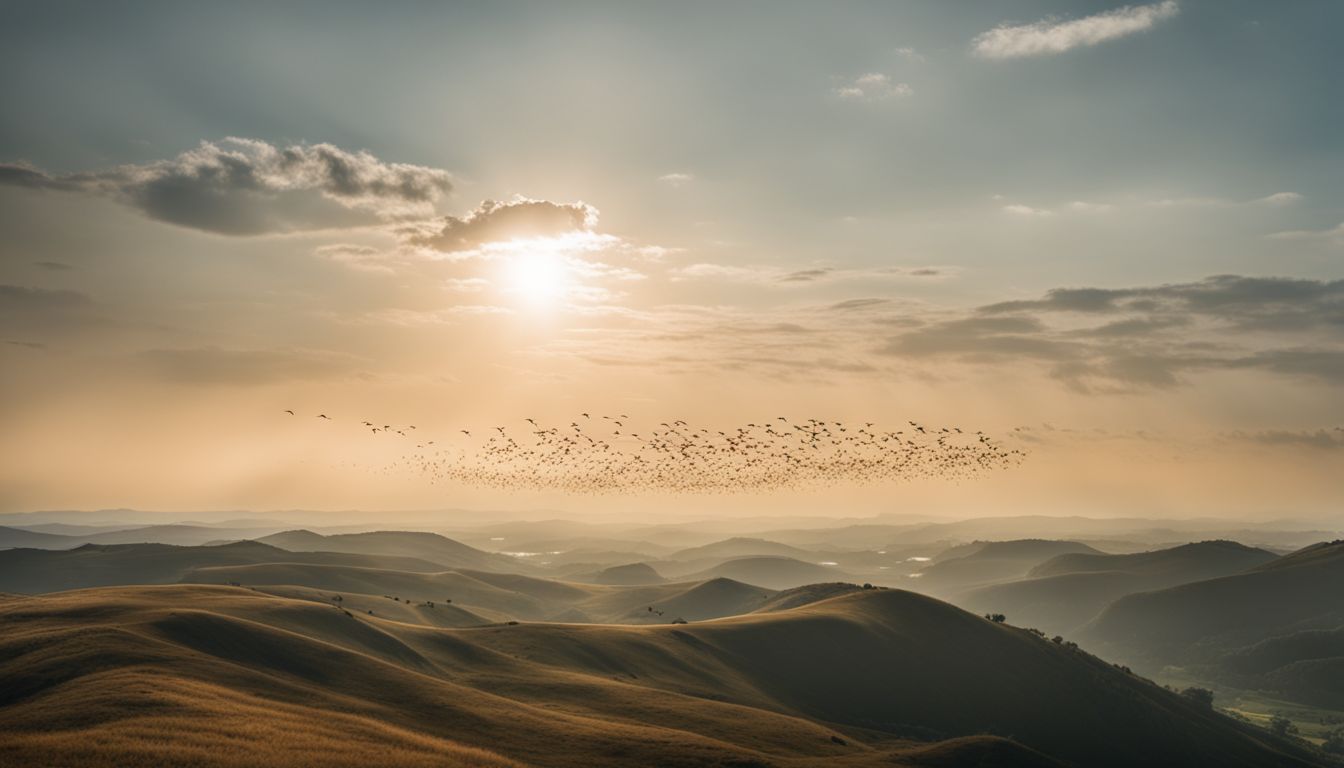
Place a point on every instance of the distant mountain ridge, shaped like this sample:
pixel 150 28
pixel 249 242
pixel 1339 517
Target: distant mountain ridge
pixel 424 545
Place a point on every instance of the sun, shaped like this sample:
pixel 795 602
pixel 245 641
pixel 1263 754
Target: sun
pixel 537 277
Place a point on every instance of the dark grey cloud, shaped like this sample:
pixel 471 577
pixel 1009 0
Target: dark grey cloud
pixel 249 367
pixel 248 187
pixel 519 218
pixel 53 266
pixel 1310 362
pixel 1151 337
pixel 1266 303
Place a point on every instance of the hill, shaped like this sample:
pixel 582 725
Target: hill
pixel 1067 591
pixel 991 561
pixel 207 675
pixel 498 597
pixel 737 547
pixel 631 573
pixel 71 536
pixel 1189 562
pixel 32 571
pixel 770 572
pixel 11 538
pixel 418 544
pixel 1199 621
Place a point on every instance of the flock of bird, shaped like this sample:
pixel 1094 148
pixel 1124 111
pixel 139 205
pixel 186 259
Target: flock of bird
pixel 610 453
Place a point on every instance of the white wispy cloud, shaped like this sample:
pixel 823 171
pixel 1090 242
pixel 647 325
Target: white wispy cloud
pixel 1051 36
pixel 873 86
pixel 1276 199
pixel 1026 210
pixel 1334 235
pixel 677 179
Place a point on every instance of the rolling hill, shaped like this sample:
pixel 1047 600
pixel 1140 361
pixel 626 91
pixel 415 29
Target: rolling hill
pixel 991 561
pixel 1198 622
pixel 498 597
pixel 418 544
pixel 69 537
pixel 770 572
pixel 31 571
pixel 220 676
pixel 737 547
pixel 630 573
pixel 1067 591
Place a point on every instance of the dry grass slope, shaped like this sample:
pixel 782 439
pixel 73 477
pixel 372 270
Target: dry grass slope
pixel 219 676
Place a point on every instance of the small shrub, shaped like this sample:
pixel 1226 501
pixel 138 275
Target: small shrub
pixel 1282 726
pixel 1201 696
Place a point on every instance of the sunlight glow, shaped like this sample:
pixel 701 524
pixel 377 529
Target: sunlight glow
pixel 537 277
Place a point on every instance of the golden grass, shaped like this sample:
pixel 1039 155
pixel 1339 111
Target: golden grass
pixel 221 676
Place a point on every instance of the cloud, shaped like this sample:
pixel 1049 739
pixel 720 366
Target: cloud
pixel 1150 337
pixel 774 275
pixel 677 179
pixel 249 187
pixel 361 257
pixel 20 298
pixel 52 266
pixel 805 276
pixel 873 87
pixel 1275 200
pixel 1028 211
pixel 855 304
pixel 41 310
pixel 1322 439
pixel 1334 235
pixel 1236 302
pixel 518 219
pixel 1050 36
pixel 249 367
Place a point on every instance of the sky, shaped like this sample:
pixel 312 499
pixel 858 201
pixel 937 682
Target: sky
pixel 1112 235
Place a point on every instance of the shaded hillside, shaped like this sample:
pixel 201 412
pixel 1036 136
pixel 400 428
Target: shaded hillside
pixel 174 674
pixel 69 537
pixel 1305 666
pixel 992 561
pixel 1189 562
pixel 1066 591
pixel 631 573
pixel 770 572
pixel 425 546
pixel 31 571
pixel 212 676
pixel 740 547
pixel 11 538
pixel 1300 591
